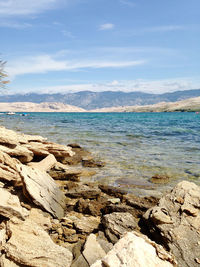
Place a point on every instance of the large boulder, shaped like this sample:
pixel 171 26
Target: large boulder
pixel 136 250
pixel 30 245
pixel 175 222
pixel 43 190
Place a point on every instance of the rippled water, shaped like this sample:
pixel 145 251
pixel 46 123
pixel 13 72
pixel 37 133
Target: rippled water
pixel 135 146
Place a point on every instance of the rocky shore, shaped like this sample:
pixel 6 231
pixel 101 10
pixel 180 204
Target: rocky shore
pixel 50 215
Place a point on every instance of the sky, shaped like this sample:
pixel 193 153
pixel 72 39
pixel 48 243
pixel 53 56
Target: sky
pixel 121 45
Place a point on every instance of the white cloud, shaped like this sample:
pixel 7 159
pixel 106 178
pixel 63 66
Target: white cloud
pixel 46 63
pixel 106 26
pixel 148 86
pixel 25 7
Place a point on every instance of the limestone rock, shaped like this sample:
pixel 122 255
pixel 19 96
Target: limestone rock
pixel 140 204
pixel 37 216
pixel 5 262
pixel 175 222
pixel 10 206
pixel 59 151
pixel 84 191
pixel 92 250
pixel 43 190
pixel 117 223
pixel 136 250
pixel 30 245
pixel 22 153
pixel 63 172
pixel 44 165
pixel 8 169
pixel 87 224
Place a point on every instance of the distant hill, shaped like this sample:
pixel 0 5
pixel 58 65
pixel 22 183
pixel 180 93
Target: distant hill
pixel 93 100
pixel 189 104
pixel 38 107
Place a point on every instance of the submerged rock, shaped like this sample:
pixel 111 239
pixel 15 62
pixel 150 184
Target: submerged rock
pixel 175 222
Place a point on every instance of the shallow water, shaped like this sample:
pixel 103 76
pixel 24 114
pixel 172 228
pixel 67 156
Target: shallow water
pixel 135 146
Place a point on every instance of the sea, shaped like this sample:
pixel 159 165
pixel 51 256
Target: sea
pixel 134 146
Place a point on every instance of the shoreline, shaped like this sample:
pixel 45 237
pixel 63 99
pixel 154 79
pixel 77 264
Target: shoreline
pixel 85 223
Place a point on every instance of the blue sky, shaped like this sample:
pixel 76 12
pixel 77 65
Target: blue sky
pixel 73 45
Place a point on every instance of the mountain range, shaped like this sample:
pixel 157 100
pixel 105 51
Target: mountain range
pixel 95 100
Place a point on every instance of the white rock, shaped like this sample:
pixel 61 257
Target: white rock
pixel 134 250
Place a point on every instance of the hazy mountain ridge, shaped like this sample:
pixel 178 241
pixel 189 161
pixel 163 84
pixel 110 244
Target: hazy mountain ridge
pixel 93 100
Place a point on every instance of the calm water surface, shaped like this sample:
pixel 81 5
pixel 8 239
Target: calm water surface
pixel 135 146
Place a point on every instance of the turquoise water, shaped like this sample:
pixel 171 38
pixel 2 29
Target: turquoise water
pixel 135 146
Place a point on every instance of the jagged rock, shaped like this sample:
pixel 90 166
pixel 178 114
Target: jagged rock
pixel 136 250
pixel 20 152
pixel 84 191
pixel 87 224
pixel 110 208
pixel 43 190
pixel 63 172
pixel 91 207
pixel 8 169
pixel 44 165
pixel 92 250
pixel 102 240
pixel 116 224
pixel 140 204
pixel 91 163
pixel 59 151
pixel 112 191
pixel 10 205
pixel 30 245
pixel 175 222
pixel 83 224
pixel 79 154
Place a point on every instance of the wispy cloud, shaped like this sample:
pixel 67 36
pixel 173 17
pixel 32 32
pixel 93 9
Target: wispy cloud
pixel 25 7
pixel 47 63
pixel 128 3
pixel 67 34
pixel 165 28
pixel 106 26
pixel 14 25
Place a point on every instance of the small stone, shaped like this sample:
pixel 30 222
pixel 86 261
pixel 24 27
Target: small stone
pixel 92 250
